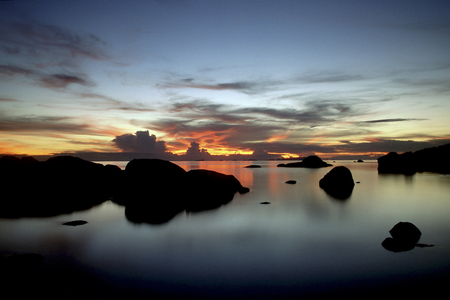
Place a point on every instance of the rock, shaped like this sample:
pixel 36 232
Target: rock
pixel 405 236
pixel 396 163
pixel 209 189
pixel 291 182
pixel 338 182
pixel 265 202
pixel 309 162
pixel 360 160
pixel 253 166
pixel 75 223
pixel 61 184
pixel 426 160
pixel 157 190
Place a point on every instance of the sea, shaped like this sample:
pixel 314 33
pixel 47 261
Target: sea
pixel 279 241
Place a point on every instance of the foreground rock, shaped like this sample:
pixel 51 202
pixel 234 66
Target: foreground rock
pixel 426 160
pixel 309 162
pixel 405 236
pixel 157 190
pixel 338 182
pixel 152 190
pixel 59 185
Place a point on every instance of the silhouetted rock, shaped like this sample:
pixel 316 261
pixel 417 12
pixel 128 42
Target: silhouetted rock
pixel 209 189
pixel 152 190
pixel 309 162
pixel 253 166
pixel 157 190
pixel 265 202
pixel 291 182
pixel 338 182
pixel 75 223
pixel 426 160
pixel 396 163
pixel 405 236
pixel 59 185
pixel 360 160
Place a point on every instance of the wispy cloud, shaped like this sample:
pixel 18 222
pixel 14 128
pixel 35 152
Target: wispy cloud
pixel 53 81
pixel 391 120
pixel 43 41
pixel 41 123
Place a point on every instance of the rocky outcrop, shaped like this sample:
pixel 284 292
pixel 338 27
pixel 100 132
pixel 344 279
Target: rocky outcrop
pixel 152 190
pixel 157 190
pixel 338 182
pixel 434 159
pixel 309 162
pixel 59 185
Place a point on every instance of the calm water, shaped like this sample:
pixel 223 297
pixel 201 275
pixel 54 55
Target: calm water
pixel 304 244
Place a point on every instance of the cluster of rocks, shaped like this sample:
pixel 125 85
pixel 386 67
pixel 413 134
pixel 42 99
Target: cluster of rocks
pixel 152 190
pixel 434 159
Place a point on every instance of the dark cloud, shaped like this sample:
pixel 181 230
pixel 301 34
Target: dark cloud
pixel 194 152
pixel 141 142
pixel 55 81
pixel 328 77
pixel 41 123
pixel 218 87
pixel 63 80
pixel 8 100
pixel 391 120
pixel 37 40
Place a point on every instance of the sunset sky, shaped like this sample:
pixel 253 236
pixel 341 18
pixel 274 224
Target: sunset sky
pixel 291 78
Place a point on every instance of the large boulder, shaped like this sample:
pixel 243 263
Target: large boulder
pixel 157 190
pixel 405 236
pixel 338 182
pixel 309 162
pixel 209 189
pixel 59 185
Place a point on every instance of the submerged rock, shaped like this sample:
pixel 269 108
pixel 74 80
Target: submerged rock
pixel 309 162
pixel 338 182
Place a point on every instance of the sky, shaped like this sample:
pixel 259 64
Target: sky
pixel 271 79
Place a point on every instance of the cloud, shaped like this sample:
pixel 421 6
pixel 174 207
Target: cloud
pixel 54 81
pixel 391 120
pixel 41 123
pixel 8 100
pixel 140 142
pixel 37 40
pixel 194 152
pixel 187 83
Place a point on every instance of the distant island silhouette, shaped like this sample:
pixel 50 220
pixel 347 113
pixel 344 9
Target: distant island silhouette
pixel 435 159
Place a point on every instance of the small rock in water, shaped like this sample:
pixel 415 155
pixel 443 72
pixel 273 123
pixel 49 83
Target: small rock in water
pixel 265 202
pixel 75 223
pixel 291 182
